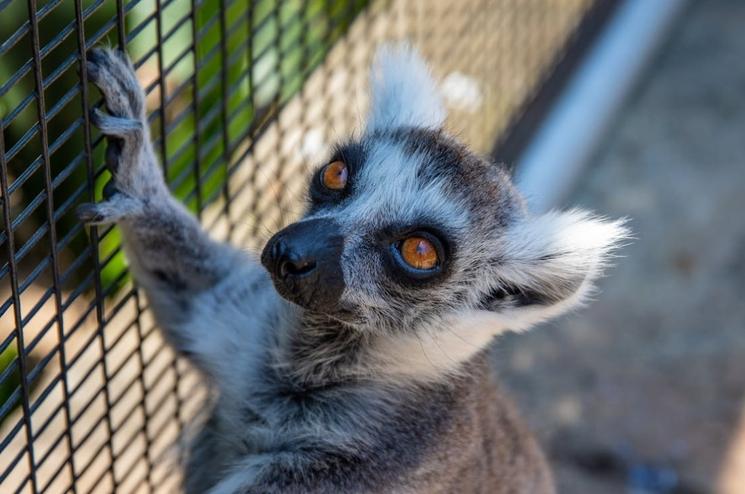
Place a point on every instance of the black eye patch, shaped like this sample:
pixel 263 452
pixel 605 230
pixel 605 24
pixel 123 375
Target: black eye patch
pixel 352 154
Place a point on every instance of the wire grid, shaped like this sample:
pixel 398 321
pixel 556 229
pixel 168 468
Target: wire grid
pixel 243 98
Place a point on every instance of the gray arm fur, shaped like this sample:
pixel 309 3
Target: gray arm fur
pixel 170 255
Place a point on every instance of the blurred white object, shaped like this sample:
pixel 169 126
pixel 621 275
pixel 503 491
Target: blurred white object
pixel 462 92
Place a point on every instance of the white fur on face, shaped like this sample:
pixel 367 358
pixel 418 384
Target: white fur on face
pixel 403 92
pixel 390 189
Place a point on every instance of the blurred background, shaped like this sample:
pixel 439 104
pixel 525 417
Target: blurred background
pixel 630 108
pixel 644 391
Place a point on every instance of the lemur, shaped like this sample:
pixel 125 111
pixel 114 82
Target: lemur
pixel 352 355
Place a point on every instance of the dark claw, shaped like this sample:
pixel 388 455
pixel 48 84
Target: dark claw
pixel 96 55
pixel 110 190
pixel 113 153
pixel 92 70
pixel 88 213
pixel 95 116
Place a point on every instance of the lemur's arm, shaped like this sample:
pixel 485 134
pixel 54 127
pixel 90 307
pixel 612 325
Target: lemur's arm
pixel 170 256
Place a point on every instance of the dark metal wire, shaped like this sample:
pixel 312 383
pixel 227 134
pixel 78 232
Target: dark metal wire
pixel 21 359
pixel 195 115
pixel 50 214
pixel 224 110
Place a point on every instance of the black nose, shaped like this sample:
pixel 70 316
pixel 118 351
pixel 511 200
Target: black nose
pixel 289 262
pixel 304 260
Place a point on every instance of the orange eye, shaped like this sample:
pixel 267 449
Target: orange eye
pixel 419 253
pixel 334 175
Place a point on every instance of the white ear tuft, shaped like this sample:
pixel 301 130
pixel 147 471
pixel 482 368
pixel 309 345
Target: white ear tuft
pixel 403 92
pixel 561 245
pixel 556 257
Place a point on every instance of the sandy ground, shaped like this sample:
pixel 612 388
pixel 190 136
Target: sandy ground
pixel 644 391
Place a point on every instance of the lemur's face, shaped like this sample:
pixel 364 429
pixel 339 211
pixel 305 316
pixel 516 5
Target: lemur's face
pixel 396 229
pixel 406 225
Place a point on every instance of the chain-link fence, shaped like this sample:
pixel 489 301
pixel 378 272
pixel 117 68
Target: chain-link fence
pixel 243 97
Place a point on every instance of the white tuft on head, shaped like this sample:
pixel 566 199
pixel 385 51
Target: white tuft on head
pixel 403 92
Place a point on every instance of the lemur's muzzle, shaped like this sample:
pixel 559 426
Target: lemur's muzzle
pixel 304 260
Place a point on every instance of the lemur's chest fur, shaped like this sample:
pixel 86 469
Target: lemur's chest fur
pixel 360 435
pixel 363 438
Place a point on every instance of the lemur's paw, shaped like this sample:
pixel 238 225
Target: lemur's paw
pixel 112 72
pixel 117 207
pixel 129 154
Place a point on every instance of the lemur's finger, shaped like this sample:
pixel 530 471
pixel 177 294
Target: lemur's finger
pixel 88 213
pixel 114 98
pixel 113 73
pixel 124 128
pixel 118 207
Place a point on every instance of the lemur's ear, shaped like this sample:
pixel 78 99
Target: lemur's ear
pixel 548 265
pixel 403 92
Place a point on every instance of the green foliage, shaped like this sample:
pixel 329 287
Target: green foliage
pixel 10 383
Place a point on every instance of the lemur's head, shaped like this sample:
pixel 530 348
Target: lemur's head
pixel 407 228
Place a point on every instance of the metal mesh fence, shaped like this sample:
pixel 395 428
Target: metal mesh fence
pixel 243 97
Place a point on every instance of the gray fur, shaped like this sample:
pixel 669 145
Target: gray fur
pixel 390 390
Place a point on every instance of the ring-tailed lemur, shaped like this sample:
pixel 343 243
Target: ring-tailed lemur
pixel 355 359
